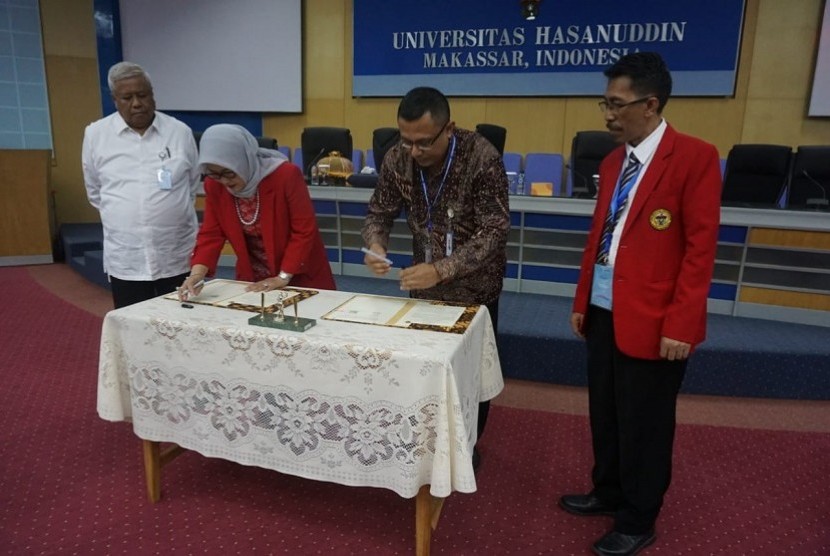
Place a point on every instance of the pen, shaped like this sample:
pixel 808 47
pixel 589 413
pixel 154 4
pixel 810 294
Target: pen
pixel 199 284
pixel 376 256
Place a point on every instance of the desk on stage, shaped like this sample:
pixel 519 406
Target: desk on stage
pixel 354 404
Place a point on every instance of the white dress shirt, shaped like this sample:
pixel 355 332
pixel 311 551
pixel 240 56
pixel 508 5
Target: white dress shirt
pixel 149 232
pixel 644 153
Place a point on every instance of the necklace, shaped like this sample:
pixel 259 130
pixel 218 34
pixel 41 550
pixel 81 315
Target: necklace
pixel 239 212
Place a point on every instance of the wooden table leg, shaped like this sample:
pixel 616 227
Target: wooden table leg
pixel 152 469
pixel 427 513
pixel 154 459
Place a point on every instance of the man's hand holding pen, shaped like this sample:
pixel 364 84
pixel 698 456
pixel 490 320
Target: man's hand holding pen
pixel 375 258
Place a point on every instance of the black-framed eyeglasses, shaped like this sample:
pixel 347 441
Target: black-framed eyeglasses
pixel 610 106
pixel 223 175
pixel 425 144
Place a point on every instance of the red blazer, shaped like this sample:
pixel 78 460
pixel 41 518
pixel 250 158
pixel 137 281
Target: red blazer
pixel 661 277
pixel 289 229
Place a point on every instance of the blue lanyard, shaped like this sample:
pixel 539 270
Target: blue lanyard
pixel 430 205
pixel 621 191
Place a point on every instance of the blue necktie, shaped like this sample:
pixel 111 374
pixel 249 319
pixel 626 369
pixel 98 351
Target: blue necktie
pixel 618 202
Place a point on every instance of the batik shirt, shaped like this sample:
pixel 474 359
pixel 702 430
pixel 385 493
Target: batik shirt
pixel 475 192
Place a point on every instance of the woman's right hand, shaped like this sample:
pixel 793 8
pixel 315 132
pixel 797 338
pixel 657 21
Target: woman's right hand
pixel 191 287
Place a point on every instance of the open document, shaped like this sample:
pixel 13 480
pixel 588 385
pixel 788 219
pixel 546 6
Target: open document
pixel 405 313
pixel 231 293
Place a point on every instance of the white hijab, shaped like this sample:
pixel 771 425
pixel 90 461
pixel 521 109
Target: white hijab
pixel 233 147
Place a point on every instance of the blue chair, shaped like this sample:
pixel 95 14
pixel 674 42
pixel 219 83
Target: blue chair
pixel 370 158
pixel 512 162
pixel 546 168
pixel 298 157
pixel 286 151
pixel 357 159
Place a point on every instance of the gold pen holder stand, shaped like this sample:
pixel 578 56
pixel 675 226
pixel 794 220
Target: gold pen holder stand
pixel 296 324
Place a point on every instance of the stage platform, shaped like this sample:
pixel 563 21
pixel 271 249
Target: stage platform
pixel 743 357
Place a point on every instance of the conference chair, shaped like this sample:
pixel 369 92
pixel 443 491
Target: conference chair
pixel 383 139
pixel 543 168
pixel 286 151
pixel 197 136
pixel 756 175
pixel 318 142
pixel 496 134
pixel 810 177
pixel 588 148
pixel 267 143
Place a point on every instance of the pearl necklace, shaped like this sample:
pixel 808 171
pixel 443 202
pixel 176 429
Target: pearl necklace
pixel 239 212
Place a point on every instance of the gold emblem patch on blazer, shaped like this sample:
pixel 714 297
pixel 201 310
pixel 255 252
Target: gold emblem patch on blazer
pixel 660 219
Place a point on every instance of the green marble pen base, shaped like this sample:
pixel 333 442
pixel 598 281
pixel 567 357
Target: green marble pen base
pixel 298 324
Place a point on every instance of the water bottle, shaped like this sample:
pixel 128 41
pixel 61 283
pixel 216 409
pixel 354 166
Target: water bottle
pixel 520 188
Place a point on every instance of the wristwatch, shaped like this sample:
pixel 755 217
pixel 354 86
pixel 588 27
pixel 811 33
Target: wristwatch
pixel 283 275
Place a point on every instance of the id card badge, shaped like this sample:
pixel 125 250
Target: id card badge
pixel 601 287
pixel 449 243
pixel 165 179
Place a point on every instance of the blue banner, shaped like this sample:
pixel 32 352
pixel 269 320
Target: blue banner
pixel 487 48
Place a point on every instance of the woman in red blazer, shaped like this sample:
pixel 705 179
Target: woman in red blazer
pixel 259 202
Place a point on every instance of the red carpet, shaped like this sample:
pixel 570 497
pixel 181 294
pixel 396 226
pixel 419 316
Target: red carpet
pixel 71 483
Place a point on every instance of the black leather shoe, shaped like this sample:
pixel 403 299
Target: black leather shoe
pixel 585 504
pixel 619 544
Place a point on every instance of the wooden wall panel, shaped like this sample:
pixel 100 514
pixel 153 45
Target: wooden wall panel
pixel 790 238
pixel 800 300
pixel 24 209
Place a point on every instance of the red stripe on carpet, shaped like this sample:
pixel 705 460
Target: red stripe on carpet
pixel 71 483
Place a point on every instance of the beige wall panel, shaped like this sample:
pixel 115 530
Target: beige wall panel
pixel 363 116
pixel 783 61
pixel 533 125
pixel 70 28
pixel 776 121
pixel 324 64
pixel 814 131
pixel 287 128
pixel 801 300
pixel 717 121
pixel 74 101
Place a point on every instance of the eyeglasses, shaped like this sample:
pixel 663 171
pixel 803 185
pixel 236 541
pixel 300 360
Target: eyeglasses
pixel 425 144
pixel 606 106
pixel 224 174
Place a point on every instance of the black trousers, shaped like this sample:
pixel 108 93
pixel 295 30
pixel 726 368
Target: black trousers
pixel 632 406
pixel 484 407
pixel 128 292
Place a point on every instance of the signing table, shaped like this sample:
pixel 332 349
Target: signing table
pixel 354 404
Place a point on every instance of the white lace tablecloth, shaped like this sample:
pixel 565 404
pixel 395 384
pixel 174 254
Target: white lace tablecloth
pixel 354 404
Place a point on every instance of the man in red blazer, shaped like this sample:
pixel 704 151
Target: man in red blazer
pixel 640 301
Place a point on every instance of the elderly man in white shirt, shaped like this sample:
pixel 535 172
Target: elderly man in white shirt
pixel 141 173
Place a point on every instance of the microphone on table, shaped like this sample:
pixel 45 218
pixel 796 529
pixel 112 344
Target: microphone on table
pixel 586 183
pixel 314 161
pixel 816 202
